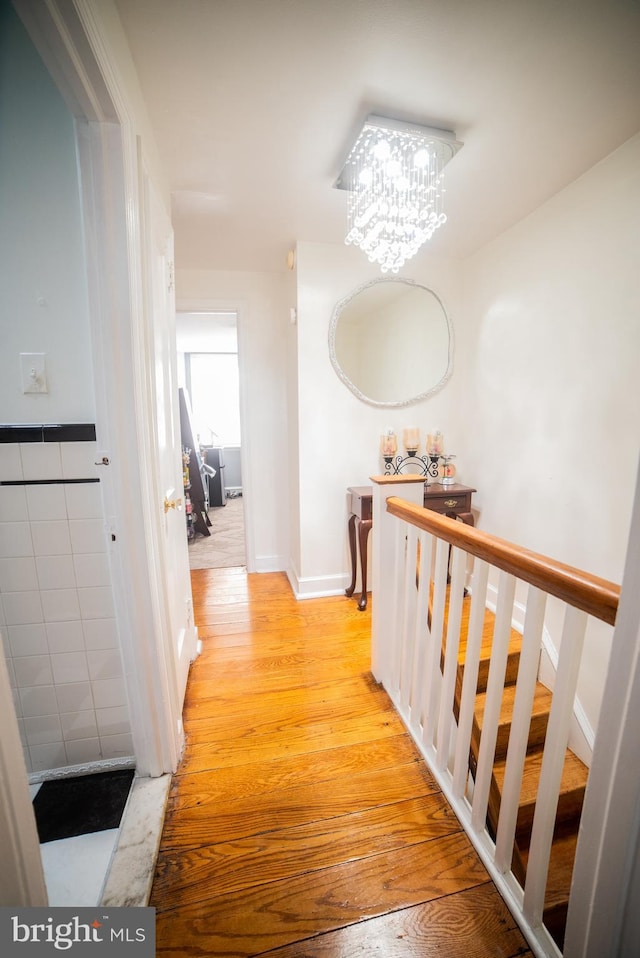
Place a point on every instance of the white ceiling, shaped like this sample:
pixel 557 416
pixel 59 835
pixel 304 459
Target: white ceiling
pixel 255 103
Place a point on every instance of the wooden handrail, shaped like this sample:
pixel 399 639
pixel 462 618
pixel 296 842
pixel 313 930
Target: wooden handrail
pixel 593 595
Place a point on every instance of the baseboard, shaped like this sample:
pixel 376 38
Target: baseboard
pixel 270 564
pixel 316 587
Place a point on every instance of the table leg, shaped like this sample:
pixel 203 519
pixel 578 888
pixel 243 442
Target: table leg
pixel 352 548
pixel 363 536
pixel 469 520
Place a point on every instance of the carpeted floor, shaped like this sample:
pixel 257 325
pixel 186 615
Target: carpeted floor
pixel 224 548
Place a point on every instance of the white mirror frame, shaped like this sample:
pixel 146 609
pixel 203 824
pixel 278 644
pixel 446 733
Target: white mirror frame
pixel 386 404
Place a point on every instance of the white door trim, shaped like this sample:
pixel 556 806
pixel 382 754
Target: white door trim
pixel 21 875
pixel 240 309
pixel 117 321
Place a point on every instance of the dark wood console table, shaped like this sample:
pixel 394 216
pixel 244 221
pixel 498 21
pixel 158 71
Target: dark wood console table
pixel 453 501
pixel 360 506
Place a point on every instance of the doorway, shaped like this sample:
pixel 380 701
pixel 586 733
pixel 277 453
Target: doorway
pixel 209 372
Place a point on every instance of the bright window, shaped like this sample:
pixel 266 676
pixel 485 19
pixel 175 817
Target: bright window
pixel 213 384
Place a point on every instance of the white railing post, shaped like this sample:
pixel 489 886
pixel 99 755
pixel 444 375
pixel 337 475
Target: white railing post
pixel 383 604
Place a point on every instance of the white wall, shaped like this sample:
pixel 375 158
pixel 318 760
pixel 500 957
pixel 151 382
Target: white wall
pixel 548 365
pixel 43 296
pixel 262 303
pixel 339 434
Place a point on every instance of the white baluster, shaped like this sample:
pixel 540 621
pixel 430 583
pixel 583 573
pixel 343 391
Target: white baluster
pixel 394 636
pixel 493 701
pixel 434 652
pixel 407 621
pixel 454 618
pixel 421 630
pixel 553 759
pixel 520 724
pixel 470 676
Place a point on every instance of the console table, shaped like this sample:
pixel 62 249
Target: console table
pixel 453 501
pixel 360 505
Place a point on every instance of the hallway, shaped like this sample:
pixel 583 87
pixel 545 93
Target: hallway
pixel 301 821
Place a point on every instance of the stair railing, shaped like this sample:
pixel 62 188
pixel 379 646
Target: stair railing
pixel 423 566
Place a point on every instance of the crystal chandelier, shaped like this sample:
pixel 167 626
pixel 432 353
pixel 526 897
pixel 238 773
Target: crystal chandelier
pixel 394 173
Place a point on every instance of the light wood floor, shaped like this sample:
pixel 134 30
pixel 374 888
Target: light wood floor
pixel 302 821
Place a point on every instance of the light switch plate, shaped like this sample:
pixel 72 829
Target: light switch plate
pixel 34 374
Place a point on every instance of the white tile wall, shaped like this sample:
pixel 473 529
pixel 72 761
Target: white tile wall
pixel 13 502
pixel 40 700
pixel 65 636
pixel 100 634
pixel 90 570
pixel 10 461
pixel 28 639
pixel 78 460
pixel 41 460
pixel 22 608
pixel 17 575
pixel 60 605
pixel 74 697
pixel 56 572
pixel 56 608
pixel 15 540
pixel 46 502
pixel 51 538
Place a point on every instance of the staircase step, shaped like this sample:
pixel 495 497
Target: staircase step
pixel 486 644
pixel 572 789
pixel 511 674
pixel 539 718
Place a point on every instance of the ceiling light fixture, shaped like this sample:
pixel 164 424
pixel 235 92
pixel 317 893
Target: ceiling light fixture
pixel 394 174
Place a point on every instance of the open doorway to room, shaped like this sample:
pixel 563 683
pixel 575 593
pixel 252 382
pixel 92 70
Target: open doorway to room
pixel 208 371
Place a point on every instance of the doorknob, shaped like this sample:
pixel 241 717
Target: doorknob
pixel 172 504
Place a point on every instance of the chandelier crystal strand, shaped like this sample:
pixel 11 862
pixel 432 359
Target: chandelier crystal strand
pixel 395 203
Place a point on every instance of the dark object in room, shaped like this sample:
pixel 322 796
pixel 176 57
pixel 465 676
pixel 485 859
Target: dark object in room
pixel 65 807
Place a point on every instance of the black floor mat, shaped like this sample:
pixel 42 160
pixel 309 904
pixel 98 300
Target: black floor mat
pixel 66 807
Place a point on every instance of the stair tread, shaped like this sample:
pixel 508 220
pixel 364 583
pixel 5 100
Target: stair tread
pixel 486 644
pixel 574 775
pixel 542 700
pixel 541 707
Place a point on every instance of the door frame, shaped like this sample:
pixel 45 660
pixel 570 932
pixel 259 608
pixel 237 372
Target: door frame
pixel 156 225
pixel 240 309
pixel 73 39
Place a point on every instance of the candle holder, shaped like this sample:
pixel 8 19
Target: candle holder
pixel 448 470
pixel 426 466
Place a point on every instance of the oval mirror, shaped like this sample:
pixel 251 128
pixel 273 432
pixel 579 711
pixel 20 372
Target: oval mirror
pixel 391 342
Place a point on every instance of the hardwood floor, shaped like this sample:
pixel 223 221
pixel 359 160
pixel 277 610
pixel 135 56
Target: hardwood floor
pixel 302 821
